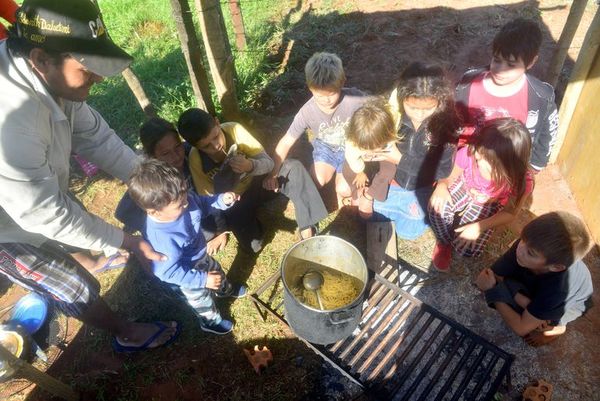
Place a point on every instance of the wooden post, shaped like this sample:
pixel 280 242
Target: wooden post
pixel 564 42
pixel 219 55
pixel 238 24
pixel 590 46
pixel 190 46
pixel 139 93
pixel 382 249
pixel 38 377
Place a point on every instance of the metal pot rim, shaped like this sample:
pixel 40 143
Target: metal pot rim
pixel 352 304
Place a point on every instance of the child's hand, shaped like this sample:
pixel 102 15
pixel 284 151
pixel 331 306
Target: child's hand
pixel 271 183
pixel 229 198
pixel 214 280
pixel 241 164
pixel 216 244
pixel 439 198
pixel 467 236
pixel 392 155
pixel 361 180
pixel 485 280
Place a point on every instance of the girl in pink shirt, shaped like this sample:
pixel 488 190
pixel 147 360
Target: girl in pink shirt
pixel 488 184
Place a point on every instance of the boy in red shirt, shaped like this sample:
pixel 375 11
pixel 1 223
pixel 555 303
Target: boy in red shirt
pixel 505 89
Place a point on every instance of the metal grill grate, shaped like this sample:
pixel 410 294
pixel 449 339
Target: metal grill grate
pixel 406 350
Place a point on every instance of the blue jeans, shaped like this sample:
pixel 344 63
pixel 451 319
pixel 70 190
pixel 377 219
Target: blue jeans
pixel 407 209
pixel 325 153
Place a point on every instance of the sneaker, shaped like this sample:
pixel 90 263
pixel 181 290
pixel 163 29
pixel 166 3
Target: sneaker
pixel 224 327
pixel 232 291
pixel 442 256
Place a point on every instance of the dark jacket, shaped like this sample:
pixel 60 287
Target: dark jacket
pixel 421 163
pixel 542 115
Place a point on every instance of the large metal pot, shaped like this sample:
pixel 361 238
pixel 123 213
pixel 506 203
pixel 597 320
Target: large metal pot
pixel 311 323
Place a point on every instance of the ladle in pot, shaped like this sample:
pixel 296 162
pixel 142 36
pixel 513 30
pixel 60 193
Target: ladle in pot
pixel 312 281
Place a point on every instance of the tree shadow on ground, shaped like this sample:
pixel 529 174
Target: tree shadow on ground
pixel 375 48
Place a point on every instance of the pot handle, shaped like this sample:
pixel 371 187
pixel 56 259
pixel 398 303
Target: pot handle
pixel 333 318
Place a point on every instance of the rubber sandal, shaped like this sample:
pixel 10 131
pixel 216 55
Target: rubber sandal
pixel 145 346
pixel 109 266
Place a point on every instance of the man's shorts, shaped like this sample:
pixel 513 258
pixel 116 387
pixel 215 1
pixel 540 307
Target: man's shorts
pixel 50 271
pixel 325 153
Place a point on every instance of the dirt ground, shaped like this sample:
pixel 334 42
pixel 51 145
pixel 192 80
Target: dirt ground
pixel 376 40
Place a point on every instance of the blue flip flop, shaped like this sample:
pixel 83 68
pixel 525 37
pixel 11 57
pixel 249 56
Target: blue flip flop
pixel 145 346
pixel 108 266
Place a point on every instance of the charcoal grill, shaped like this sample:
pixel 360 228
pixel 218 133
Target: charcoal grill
pixel 404 349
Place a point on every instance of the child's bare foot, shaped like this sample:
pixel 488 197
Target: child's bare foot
pixel 308 232
pixel 544 335
pixel 216 244
pixel 365 206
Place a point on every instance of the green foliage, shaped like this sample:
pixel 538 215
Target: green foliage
pixel 147 31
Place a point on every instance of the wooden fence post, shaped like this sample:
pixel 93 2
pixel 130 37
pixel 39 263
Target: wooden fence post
pixel 590 46
pixel 218 51
pixel 190 46
pixel 564 42
pixel 238 24
pixel 139 93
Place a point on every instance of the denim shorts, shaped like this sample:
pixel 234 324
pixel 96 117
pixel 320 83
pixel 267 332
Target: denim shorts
pixel 330 154
pixel 407 209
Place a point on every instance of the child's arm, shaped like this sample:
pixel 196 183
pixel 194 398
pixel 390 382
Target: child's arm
pixel 281 151
pixel 468 234
pixel 521 324
pixel 441 195
pixel 547 132
pixel 174 270
pixel 221 201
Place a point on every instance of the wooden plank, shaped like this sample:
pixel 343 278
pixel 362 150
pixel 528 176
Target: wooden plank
pixel 578 160
pixel 578 77
pixel 382 248
pixel 44 380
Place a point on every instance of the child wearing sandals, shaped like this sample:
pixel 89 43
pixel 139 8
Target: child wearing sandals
pixel 426 123
pixel 489 182
pixel 173 229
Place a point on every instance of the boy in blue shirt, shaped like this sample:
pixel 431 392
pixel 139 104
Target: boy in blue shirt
pixel 173 228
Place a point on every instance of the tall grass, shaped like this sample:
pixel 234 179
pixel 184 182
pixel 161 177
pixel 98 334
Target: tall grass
pixel 145 28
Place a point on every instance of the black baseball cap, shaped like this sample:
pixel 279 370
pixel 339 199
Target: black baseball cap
pixel 74 27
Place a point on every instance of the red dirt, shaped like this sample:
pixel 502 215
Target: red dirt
pixel 375 43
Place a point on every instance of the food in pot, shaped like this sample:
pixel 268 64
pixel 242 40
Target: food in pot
pixel 338 290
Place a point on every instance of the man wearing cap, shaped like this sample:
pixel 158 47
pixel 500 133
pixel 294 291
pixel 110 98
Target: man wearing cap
pixel 56 51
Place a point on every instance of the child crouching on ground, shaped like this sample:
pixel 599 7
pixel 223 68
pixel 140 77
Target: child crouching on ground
pixel 371 137
pixel 173 229
pixel 541 283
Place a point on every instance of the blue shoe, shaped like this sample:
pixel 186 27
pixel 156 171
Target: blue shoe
pixel 224 327
pixel 232 291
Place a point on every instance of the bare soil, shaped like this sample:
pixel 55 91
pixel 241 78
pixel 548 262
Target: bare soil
pixel 376 40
